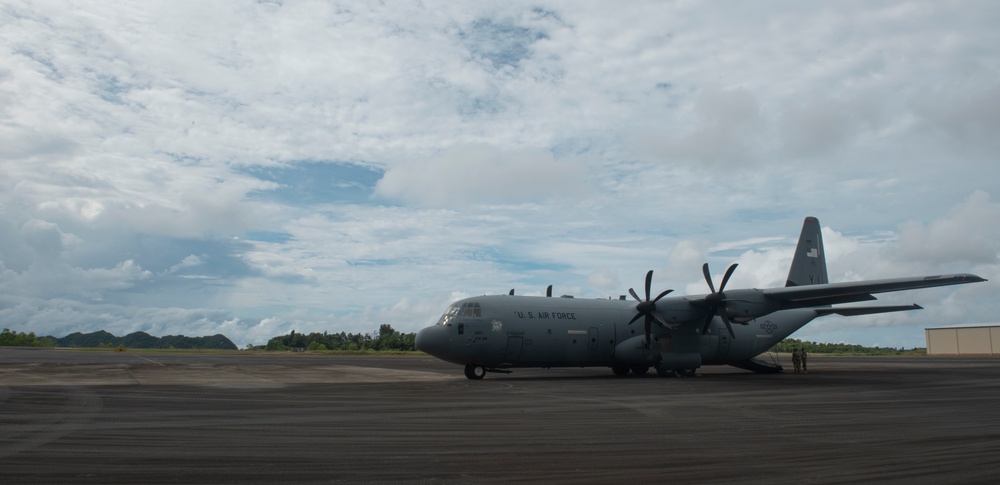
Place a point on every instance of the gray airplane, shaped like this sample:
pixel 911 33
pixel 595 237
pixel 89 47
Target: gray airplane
pixel 679 334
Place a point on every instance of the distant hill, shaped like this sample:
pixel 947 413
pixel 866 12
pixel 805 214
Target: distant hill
pixel 143 340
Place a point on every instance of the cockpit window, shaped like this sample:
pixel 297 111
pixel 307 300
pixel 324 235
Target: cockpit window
pixel 449 315
pixel 469 309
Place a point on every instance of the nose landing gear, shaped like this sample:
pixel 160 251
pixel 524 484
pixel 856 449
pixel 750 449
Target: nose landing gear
pixel 475 372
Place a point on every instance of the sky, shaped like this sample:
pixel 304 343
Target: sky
pixel 251 168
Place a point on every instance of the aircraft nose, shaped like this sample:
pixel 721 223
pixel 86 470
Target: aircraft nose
pixel 432 340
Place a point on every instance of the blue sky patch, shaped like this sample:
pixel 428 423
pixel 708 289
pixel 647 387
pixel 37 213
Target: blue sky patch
pixel 268 236
pixel 308 183
pixel 501 43
pixel 511 262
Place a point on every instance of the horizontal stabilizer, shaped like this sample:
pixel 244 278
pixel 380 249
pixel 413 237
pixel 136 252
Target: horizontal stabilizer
pixel 867 310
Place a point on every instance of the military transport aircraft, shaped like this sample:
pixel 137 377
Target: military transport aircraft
pixel 679 334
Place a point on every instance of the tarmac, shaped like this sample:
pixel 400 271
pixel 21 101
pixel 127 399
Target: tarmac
pixel 71 416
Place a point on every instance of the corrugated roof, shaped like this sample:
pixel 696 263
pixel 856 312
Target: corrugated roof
pixel 966 325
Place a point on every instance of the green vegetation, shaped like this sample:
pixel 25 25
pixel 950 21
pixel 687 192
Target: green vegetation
pixel 790 344
pixel 21 339
pixel 388 339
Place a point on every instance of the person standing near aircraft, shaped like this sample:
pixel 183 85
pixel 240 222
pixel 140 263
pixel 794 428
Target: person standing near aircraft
pixel 797 360
pixel 802 356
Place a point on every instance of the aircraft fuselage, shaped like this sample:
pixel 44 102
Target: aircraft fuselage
pixel 502 331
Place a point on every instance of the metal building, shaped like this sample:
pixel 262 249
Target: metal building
pixel 983 339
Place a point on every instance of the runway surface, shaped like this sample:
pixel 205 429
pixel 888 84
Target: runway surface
pixel 133 417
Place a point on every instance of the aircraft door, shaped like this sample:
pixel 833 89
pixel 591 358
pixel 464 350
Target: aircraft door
pixel 514 346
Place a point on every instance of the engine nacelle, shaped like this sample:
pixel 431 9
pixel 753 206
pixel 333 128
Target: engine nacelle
pixel 679 310
pixel 745 305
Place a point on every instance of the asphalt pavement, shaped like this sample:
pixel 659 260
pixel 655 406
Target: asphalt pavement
pixel 141 417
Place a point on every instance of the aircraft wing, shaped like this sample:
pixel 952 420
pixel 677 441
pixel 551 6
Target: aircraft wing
pixel 835 293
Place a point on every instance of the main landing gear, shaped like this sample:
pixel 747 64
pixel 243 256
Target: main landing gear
pixel 641 370
pixel 623 370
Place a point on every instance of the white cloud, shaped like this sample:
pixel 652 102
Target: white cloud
pixel 819 127
pixel 727 133
pixel 968 234
pixel 189 261
pixel 605 279
pixel 481 174
pixel 43 237
pixel 50 279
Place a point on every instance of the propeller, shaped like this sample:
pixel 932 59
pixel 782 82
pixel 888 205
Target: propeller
pixel 647 308
pixel 717 300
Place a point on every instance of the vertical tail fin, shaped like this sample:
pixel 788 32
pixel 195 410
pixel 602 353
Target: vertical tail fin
pixel 809 263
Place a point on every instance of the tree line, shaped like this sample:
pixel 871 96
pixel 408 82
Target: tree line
pixel 790 344
pixel 387 339
pixel 9 338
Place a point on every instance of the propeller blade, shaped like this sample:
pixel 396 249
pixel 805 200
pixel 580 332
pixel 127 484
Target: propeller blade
pixel 636 317
pixel 548 291
pixel 725 279
pixel 511 292
pixel 708 277
pixel 661 320
pixel 665 293
pixel 649 281
pixel 649 323
pixel 708 321
pixel 632 292
pixel 729 326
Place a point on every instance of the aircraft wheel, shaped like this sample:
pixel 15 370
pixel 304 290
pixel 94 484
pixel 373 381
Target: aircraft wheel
pixel 640 370
pixel 664 372
pixel 688 372
pixel 475 372
pixel 620 370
